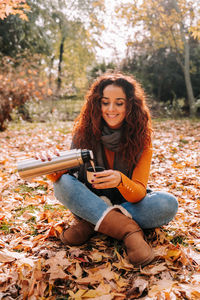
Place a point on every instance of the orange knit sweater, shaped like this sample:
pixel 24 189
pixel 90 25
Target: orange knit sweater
pixel 134 189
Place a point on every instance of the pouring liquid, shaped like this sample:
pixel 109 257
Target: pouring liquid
pixel 93 165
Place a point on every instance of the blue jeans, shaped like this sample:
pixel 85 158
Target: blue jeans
pixel 154 210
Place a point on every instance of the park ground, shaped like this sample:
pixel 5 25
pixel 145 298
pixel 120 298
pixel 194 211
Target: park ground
pixel 35 265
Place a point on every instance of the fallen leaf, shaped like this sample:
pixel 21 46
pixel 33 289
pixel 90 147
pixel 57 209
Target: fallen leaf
pixel 138 287
pixel 153 270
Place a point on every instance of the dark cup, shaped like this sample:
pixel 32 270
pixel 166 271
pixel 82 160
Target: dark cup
pixel 91 172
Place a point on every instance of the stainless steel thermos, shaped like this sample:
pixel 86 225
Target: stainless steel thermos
pixel 69 159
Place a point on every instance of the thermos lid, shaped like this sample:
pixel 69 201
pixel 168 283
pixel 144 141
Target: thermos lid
pixel 87 155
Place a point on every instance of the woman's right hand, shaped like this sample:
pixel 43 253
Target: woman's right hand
pixel 46 155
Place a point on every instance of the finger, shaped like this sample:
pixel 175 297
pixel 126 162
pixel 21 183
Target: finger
pixel 36 156
pixel 40 156
pixel 103 185
pixel 103 174
pixel 56 152
pixel 101 179
pixel 43 156
pixel 49 155
pixel 111 181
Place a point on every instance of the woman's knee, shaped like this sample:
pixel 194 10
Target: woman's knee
pixel 65 180
pixel 169 204
pixel 63 186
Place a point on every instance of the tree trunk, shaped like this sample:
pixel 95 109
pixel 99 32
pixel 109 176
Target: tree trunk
pixel 50 70
pixel 186 70
pixel 59 80
pixel 186 64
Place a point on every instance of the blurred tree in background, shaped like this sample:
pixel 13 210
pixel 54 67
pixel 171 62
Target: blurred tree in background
pixel 74 28
pixel 62 32
pixel 101 68
pixel 19 82
pixel 169 24
pixel 59 37
pixel 163 78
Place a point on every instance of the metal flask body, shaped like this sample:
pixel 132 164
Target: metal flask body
pixel 30 168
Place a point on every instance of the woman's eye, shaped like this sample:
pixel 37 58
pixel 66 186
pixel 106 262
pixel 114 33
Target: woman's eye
pixel 105 103
pixel 120 104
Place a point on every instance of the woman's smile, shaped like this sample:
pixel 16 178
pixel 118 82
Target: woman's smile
pixel 113 106
pixel 112 116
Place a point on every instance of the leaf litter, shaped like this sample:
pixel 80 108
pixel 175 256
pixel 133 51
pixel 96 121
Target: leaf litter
pixel 34 264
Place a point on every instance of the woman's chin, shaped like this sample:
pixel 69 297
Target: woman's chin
pixel 114 125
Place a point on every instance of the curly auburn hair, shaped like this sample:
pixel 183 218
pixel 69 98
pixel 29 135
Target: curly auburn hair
pixel 136 129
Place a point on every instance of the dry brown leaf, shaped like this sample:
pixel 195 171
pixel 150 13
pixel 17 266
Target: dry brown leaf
pixel 162 285
pixel 78 271
pixel 8 256
pixel 95 256
pixel 123 263
pixel 153 270
pixel 138 287
pixel 57 264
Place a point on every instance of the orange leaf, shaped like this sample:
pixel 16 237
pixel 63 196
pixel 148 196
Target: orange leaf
pixel 173 254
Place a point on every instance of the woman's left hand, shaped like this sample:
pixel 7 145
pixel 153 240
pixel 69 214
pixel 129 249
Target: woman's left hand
pixel 106 179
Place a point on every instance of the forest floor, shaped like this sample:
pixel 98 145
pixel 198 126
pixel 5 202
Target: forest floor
pixel 35 265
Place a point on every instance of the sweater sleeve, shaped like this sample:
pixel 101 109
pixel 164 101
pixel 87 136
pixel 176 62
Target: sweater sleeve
pixel 55 176
pixel 134 189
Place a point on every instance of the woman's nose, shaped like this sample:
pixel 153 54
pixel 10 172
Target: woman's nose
pixel 111 107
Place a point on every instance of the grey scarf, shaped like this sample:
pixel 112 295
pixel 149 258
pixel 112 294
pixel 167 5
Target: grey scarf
pixel 111 139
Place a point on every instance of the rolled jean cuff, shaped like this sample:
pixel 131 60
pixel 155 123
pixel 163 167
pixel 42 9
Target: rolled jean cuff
pixel 118 207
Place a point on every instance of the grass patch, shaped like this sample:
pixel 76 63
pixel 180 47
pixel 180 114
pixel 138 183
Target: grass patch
pixel 30 208
pixel 25 189
pixel 179 240
pixel 5 227
pixel 53 207
pixel 183 141
pixel 31 220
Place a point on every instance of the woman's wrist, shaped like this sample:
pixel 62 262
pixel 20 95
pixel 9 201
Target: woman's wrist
pixel 120 179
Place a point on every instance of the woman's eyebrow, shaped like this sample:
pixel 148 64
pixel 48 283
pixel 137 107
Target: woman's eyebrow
pixel 118 98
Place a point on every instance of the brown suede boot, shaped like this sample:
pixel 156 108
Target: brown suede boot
pixel 121 227
pixel 77 234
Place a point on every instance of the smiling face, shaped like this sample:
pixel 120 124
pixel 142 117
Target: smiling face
pixel 113 106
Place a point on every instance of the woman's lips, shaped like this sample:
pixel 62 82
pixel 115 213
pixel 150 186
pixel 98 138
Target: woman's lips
pixel 112 116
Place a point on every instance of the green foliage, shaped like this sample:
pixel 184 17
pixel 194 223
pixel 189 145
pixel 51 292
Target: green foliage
pixel 72 27
pixel 162 77
pixel 101 68
pixel 63 35
pixel 23 37
pixel 165 24
pixel 159 72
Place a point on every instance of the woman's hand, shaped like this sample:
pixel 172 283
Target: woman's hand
pixel 46 155
pixel 106 179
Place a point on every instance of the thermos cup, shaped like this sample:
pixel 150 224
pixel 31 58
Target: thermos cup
pixel 30 168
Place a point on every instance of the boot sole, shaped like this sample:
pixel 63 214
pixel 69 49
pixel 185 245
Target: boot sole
pixel 146 261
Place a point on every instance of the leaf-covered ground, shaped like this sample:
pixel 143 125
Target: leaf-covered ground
pixel 35 265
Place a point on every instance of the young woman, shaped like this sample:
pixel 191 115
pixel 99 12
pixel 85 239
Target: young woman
pixel 115 124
